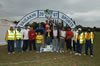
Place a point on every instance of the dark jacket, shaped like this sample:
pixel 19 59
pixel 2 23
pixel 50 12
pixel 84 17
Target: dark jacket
pixel 47 34
pixel 57 34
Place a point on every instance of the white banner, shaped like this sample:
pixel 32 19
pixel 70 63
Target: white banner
pixel 43 14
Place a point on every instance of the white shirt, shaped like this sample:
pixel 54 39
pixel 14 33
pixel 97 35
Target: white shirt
pixel 54 32
pixel 25 34
pixel 63 34
pixel 74 33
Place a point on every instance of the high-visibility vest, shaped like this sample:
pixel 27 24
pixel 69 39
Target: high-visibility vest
pixel 11 35
pixel 79 37
pixel 18 34
pixel 89 37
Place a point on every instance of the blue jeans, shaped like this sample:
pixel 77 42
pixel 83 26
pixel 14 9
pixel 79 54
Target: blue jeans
pixel 88 45
pixel 25 45
pixel 32 45
pixel 10 45
pixel 18 45
pixel 38 46
pixel 48 40
pixel 55 45
pixel 78 47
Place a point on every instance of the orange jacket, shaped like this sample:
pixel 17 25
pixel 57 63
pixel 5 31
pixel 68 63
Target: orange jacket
pixel 89 36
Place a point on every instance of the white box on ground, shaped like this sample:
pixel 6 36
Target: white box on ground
pixel 48 48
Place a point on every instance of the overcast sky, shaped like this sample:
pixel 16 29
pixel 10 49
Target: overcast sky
pixel 84 12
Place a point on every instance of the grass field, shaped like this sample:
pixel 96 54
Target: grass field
pixel 50 59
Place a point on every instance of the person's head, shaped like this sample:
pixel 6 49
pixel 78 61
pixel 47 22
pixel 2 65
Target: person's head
pixel 19 28
pixel 31 28
pixel 26 27
pixel 52 22
pixel 60 24
pixel 55 27
pixel 39 25
pixel 63 28
pixel 75 29
pixel 79 29
pixel 39 33
pixel 68 29
pixel 46 21
pixel 89 30
pixel 11 27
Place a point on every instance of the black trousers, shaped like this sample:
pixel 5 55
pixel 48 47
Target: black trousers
pixel 25 45
pixel 74 45
pixel 32 44
pixel 68 44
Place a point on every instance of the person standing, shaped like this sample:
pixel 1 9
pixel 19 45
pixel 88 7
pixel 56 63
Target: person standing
pixel 89 38
pixel 62 39
pixel 48 36
pixel 60 26
pixel 79 40
pixel 46 25
pixel 55 35
pixel 25 38
pixel 10 39
pixel 32 36
pixel 73 42
pixel 18 38
pixel 39 39
pixel 52 24
pixel 41 29
pixel 69 35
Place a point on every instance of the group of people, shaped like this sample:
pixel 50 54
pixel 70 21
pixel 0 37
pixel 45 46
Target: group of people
pixel 51 34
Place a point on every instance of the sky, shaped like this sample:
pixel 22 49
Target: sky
pixel 84 12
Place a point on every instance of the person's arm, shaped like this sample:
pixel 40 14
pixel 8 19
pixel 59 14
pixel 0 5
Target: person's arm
pixel 65 35
pixel 36 29
pixel 43 30
pixel 35 34
pixel 93 35
pixel 6 38
pixel 72 35
pixel 28 34
pixel 15 35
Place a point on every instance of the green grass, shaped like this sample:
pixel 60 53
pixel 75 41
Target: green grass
pixel 50 59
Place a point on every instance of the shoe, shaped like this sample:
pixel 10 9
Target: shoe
pixel 37 52
pixel 9 53
pixel 79 54
pixel 63 51
pixel 52 51
pixel 76 53
pixel 57 51
pixel 60 51
pixel 31 51
pixel 13 52
pixel 22 51
pixel 91 55
pixel 85 54
pixel 70 52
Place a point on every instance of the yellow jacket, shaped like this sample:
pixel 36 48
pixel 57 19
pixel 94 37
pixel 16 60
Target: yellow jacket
pixel 79 37
pixel 6 38
pixel 89 36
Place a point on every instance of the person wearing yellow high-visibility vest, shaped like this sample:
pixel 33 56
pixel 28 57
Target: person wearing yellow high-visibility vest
pixel 79 39
pixel 89 37
pixel 18 38
pixel 10 38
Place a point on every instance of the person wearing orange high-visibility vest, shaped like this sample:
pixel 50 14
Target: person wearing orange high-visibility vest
pixel 10 38
pixel 79 40
pixel 89 37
